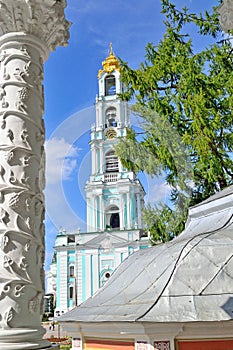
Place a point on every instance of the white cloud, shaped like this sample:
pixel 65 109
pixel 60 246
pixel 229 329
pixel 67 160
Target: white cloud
pixel 60 160
pixel 62 164
pixel 157 191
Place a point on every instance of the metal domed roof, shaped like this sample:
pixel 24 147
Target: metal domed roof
pixel 187 279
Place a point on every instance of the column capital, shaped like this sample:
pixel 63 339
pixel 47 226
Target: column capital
pixel 226 15
pixel 43 19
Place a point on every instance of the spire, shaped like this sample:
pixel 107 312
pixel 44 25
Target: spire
pixel 110 49
pixel 110 64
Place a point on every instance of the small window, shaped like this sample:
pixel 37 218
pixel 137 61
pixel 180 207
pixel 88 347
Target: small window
pixel 71 292
pixel 71 271
pixel 110 85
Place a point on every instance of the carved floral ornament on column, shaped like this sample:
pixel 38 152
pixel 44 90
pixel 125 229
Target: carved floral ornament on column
pixel 43 19
pixel 29 30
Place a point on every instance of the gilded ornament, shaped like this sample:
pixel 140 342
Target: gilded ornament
pixel 110 64
pixel 111 133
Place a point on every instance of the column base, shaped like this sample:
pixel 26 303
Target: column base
pixel 52 347
pixel 24 339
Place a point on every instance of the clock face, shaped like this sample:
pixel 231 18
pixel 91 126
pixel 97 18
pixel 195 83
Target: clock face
pixel 111 133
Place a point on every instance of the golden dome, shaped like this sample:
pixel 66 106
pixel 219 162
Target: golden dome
pixel 110 64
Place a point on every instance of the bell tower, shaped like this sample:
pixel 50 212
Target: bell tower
pixel 114 195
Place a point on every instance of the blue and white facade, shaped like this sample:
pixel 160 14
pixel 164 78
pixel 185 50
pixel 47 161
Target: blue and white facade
pixel 115 197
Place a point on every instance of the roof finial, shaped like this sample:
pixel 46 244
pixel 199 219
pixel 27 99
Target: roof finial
pixel 110 48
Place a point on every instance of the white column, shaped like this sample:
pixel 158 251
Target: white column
pixel 128 211
pixel 88 214
pixel 79 268
pixel 97 118
pixel 103 213
pixel 102 110
pixel 63 282
pixel 94 214
pixel 88 273
pixel 102 160
pixel 139 210
pixel 95 271
pixel 94 160
pixel 122 223
pixel 100 212
pixel 29 31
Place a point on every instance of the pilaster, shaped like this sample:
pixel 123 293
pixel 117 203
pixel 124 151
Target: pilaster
pixel 139 210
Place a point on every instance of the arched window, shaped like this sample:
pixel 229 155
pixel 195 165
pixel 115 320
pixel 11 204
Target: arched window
pixel 110 117
pixel 111 161
pixel 113 217
pixel 71 270
pixel 115 220
pixel 71 292
pixel 110 85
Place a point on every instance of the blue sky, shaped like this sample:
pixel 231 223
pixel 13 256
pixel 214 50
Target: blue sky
pixel 70 90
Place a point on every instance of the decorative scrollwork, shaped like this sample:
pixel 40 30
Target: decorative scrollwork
pixel 10 135
pixel 24 136
pixel 21 75
pixel 3 97
pixel 6 76
pixel 4 216
pixel 19 290
pixel 8 317
pixel 24 179
pixel 23 264
pixel 9 155
pixel 27 246
pixel 4 240
pixel 8 262
pixel 6 288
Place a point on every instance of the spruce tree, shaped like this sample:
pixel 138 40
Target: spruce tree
pixel 184 97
